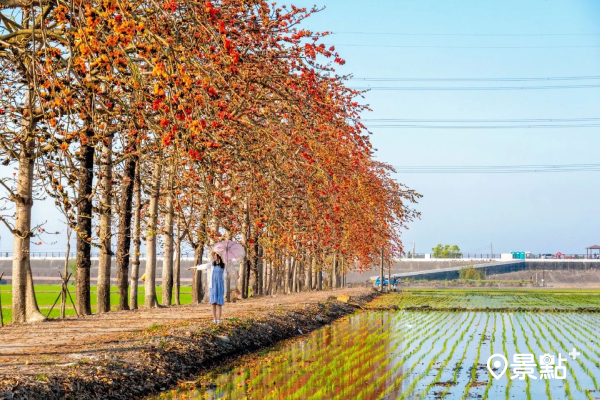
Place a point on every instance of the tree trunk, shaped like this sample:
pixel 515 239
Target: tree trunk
pixel 137 241
pixel 246 282
pixel 33 312
pixel 299 276
pixel 242 279
pixel 167 268
pixel 227 287
pixel 334 272
pixel 300 273
pixel 343 273
pixel 124 235
pixel 389 285
pixel 294 270
pixel 286 275
pixel 314 273
pixel 381 276
pixel 267 280
pixel 253 274
pixel 308 274
pixel 258 265
pixel 151 233
pixel 63 291
pixel 320 280
pixel 24 306
pixel 197 292
pixel 84 223
pixel 105 210
pixel 177 267
pixel 274 272
pixel 271 278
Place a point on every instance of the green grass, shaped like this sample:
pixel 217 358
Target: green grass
pixel 56 288
pixel 47 294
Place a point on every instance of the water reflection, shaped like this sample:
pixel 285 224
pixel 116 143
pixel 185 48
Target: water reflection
pixel 357 358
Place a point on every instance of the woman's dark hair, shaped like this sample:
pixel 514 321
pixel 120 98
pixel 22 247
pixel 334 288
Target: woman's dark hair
pixel 219 261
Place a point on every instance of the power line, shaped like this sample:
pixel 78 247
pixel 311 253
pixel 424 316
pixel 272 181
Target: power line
pixel 497 172
pixel 464 34
pixel 407 126
pixel 530 123
pixel 461 47
pixel 482 88
pixel 480 120
pixel 517 166
pixel 497 169
pixel 555 78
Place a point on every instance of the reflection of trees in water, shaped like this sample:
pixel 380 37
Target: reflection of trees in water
pixel 357 357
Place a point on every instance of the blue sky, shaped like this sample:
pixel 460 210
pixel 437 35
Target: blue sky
pixel 516 212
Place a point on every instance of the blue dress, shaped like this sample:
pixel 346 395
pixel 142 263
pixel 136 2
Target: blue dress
pixel 217 291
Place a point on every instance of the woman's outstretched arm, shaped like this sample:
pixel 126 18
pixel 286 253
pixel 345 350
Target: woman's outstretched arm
pixel 200 267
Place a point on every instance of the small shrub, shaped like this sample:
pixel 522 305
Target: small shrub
pixel 471 273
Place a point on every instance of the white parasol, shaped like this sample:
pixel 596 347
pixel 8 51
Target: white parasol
pixel 229 251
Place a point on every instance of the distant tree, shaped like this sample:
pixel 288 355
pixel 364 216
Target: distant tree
pixel 446 251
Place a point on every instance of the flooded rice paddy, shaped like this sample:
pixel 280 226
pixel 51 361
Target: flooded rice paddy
pixel 492 299
pixel 415 355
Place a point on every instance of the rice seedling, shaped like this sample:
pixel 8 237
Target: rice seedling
pixel 476 361
pixel 535 328
pixel 486 393
pixel 528 344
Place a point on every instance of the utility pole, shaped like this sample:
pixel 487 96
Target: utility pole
pixel 544 277
pixel 413 253
pixel 492 249
pixel 381 276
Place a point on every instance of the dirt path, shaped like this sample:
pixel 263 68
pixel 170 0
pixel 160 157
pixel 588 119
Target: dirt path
pixel 28 348
pixel 133 354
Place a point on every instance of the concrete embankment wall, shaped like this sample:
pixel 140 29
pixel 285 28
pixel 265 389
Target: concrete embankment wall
pixel 46 270
pixel 574 278
pixel 426 265
pixel 507 270
pixel 408 266
pixel 575 273
pixel 563 265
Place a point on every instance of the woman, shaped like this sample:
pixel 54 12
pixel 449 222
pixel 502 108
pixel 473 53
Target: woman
pixel 217 276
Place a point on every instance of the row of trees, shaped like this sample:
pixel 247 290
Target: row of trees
pixel 446 251
pixel 190 121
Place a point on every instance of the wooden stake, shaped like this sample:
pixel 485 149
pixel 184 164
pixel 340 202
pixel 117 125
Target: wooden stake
pixel 63 293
